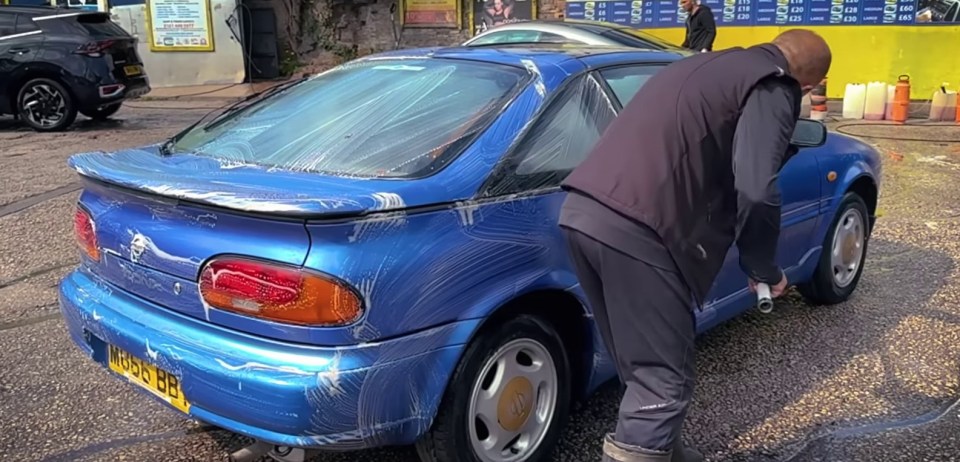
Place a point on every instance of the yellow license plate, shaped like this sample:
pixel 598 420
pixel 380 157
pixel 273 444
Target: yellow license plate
pixel 155 380
pixel 131 70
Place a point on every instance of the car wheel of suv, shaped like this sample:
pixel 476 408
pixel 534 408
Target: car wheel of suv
pixel 843 255
pixel 508 399
pixel 45 105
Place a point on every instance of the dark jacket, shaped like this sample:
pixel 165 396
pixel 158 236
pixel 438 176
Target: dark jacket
pixel 666 161
pixel 701 30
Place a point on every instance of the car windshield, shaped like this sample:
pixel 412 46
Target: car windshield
pixel 369 118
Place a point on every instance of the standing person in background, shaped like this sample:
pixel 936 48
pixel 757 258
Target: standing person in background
pixel 701 28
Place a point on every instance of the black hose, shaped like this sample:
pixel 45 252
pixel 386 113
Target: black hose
pixel 955 126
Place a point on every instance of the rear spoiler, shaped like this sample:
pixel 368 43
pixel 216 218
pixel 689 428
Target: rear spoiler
pixel 73 14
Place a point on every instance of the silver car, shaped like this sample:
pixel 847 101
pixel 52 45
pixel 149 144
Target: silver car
pixel 571 32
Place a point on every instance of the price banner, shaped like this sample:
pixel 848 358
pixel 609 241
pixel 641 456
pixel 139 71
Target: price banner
pixel 667 13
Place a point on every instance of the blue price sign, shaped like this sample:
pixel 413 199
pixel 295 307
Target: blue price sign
pixel 736 12
pixel 667 13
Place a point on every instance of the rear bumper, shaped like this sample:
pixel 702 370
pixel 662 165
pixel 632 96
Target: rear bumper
pixel 93 95
pixel 340 398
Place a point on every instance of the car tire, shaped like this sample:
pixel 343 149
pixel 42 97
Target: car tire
pixel 55 100
pixel 520 344
pixel 102 113
pixel 844 245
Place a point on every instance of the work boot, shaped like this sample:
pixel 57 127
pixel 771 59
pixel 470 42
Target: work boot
pixel 683 453
pixel 620 452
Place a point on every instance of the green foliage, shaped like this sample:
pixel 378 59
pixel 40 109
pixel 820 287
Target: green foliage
pixel 289 62
pixel 319 28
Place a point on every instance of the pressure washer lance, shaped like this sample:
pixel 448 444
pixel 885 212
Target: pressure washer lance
pixel 764 302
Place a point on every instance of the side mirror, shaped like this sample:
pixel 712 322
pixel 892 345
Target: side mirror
pixel 809 133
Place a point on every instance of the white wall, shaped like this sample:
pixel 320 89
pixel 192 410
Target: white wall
pixel 224 65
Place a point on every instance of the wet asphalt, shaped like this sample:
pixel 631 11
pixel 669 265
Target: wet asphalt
pixel 875 378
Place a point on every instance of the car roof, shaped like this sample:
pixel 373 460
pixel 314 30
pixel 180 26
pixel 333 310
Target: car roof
pixel 543 25
pixel 593 26
pixel 539 54
pixel 569 30
pixel 558 24
pixel 585 31
pixel 31 9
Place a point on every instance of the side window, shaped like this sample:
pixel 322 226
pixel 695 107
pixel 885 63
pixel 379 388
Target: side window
pixel 8 24
pixel 548 37
pixel 560 138
pixel 626 81
pixel 25 24
pixel 520 36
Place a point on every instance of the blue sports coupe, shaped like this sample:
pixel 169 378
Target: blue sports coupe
pixel 370 256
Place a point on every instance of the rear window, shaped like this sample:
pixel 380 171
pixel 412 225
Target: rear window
pixel 374 118
pixel 99 26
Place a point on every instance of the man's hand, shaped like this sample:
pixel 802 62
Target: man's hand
pixel 776 290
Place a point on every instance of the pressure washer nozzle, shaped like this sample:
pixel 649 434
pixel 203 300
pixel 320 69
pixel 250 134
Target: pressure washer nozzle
pixel 764 301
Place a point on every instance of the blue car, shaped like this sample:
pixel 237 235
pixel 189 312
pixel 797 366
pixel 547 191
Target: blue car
pixel 370 256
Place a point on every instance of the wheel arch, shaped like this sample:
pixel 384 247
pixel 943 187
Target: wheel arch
pixel 866 187
pixel 858 177
pixel 816 290
pixel 568 315
pixel 42 70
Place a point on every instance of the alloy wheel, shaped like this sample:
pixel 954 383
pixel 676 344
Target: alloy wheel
pixel 847 252
pixel 512 404
pixel 44 105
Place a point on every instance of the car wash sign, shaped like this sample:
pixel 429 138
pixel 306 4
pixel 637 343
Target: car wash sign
pixel 179 25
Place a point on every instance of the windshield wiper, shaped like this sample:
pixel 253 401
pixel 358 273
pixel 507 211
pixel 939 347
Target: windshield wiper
pixel 167 147
pixel 235 107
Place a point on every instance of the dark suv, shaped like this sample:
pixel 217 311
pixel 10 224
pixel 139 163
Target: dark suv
pixel 56 62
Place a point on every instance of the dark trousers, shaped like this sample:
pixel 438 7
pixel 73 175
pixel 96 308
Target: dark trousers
pixel 645 316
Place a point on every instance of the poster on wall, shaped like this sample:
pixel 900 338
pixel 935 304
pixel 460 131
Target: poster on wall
pixel 88 5
pixel 179 25
pixel 491 13
pixel 667 13
pixel 432 13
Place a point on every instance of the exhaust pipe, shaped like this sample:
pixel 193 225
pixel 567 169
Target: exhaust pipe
pixel 251 453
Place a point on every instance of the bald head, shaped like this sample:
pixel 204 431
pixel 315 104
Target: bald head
pixel 808 56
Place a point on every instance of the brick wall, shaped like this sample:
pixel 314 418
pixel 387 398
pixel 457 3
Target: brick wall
pixel 370 27
pixel 550 9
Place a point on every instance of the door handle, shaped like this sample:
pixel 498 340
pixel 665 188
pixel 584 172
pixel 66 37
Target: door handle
pixel 18 51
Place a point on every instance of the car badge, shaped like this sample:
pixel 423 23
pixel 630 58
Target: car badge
pixel 137 246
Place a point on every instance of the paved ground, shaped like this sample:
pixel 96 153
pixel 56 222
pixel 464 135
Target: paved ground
pixel 872 379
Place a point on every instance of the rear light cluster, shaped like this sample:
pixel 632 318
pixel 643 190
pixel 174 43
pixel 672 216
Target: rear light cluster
pixel 86 234
pixel 278 292
pixel 94 49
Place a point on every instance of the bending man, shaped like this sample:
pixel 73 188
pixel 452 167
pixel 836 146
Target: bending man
pixel 688 167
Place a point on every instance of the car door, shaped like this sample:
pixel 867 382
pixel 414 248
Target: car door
pixel 799 186
pixel 20 41
pixel 8 28
pixel 529 176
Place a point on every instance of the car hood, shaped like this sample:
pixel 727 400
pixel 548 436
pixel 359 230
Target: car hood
pixel 252 188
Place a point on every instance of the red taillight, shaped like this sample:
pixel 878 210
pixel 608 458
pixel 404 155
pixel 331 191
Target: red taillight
pixel 94 49
pixel 277 292
pixel 86 234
